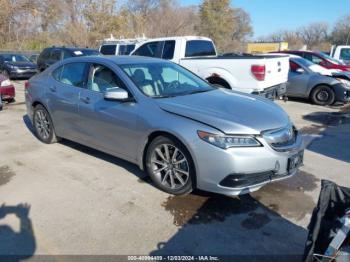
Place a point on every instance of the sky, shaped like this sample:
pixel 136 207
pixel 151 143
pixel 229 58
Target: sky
pixel 269 16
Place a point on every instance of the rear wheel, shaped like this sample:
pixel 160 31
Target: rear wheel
pixel 170 166
pixel 323 95
pixel 43 125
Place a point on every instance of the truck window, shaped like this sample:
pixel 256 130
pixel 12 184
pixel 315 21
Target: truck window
pixel 148 49
pixel 126 49
pixel 108 49
pixel 199 48
pixel 55 55
pixel 345 54
pixel 168 50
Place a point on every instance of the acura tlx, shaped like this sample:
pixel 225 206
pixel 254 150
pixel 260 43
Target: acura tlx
pixel 182 131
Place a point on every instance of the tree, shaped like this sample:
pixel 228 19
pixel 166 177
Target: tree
pixel 224 24
pixel 341 31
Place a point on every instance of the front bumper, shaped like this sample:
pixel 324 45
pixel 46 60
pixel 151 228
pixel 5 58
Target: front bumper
pixel 7 92
pixel 342 94
pixel 273 92
pixel 238 171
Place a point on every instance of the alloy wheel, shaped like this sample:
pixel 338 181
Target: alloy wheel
pixel 170 166
pixel 42 124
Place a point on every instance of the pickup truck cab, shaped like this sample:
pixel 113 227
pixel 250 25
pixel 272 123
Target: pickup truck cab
pixel 263 75
pixel 342 53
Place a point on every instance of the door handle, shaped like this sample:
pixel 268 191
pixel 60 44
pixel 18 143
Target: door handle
pixel 52 88
pixel 86 100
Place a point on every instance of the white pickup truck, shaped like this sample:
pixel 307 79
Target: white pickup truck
pixel 341 52
pixel 263 75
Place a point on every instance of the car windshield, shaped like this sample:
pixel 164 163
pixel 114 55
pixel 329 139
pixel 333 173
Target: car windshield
pixel 311 66
pixel 160 80
pixel 15 58
pixel 331 59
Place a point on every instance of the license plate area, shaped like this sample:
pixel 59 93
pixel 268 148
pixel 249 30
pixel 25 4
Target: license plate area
pixel 295 161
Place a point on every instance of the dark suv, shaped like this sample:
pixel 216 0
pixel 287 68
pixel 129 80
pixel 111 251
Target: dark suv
pixel 52 55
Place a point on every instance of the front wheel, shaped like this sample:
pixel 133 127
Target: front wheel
pixel 43 125
pixel 170 166
pixel 323 95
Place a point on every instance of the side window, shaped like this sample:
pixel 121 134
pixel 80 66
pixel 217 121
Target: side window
pixel 101 78
pixel 45 54
pixel 197 48
pixel 168 50
pixel 317 60
pixel 293 67
pixel 71 74
pixel 108 49
pixel 55 55
pixel 66 54
pixel 345 54
pixel 149 49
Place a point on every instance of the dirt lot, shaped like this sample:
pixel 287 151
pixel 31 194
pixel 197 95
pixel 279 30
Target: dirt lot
pixel 86 202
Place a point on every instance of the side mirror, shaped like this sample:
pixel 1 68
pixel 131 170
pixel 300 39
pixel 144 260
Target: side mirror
pixel 300 71
pixel 117 94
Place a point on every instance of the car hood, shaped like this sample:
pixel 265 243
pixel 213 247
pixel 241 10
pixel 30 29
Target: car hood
pixel 228 111
pixel 22 64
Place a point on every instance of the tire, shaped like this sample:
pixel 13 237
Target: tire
pixel 323 95
pixel 169 176
pixel 43 125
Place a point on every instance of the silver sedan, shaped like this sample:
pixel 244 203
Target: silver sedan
pixel 171 123
pixel 308 80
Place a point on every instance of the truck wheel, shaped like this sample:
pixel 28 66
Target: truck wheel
pixel 323 95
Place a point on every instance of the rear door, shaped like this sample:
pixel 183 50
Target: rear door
pixel 63 98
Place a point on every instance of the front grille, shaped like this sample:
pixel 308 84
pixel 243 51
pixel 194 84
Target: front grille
pixel 281 138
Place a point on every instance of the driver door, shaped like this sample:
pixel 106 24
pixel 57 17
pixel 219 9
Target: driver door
pixel 110 126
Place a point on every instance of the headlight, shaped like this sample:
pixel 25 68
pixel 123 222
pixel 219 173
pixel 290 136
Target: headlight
pixel 225 142
pixel 6 82
pixel 344 82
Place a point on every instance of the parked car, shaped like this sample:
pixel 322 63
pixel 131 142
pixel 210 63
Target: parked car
pixel 184 132
pixel 312 81
pixel 34 58
pixel 16 66
pixel 321 59
pixel 261 75
pixel 51 55
pixel 7 90
pixel 341 53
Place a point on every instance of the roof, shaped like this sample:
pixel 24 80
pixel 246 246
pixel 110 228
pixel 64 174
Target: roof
pixel 119 60
pixel 188 38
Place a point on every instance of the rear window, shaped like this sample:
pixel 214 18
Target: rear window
pixel 108 49
pixel 200 48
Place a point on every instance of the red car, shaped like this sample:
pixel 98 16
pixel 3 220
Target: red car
pixel 320 59
pixel 7 90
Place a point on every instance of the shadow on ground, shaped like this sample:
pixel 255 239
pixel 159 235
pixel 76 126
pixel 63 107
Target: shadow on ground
pixel 16 246
pixel 236 229
pixel 334 129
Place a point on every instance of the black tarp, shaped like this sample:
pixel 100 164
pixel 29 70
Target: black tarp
pixel 332 205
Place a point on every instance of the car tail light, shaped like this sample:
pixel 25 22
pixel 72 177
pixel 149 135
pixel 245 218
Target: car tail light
pixel 26 85
pixel 259 72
